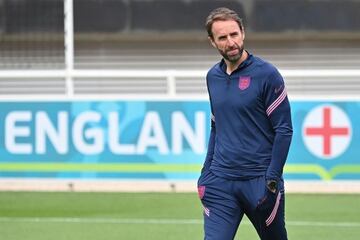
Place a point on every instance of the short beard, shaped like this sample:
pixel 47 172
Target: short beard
pixel 235 58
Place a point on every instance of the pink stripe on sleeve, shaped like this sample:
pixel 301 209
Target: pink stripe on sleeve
pixel 276 103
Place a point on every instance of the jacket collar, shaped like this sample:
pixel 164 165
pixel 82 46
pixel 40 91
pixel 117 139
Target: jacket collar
pixel 243 65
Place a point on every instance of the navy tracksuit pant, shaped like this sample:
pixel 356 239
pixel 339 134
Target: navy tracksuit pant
pixel 226 201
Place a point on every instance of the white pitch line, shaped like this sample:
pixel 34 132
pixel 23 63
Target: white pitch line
pixel 102 220
pixel 160 221
pixel 323 224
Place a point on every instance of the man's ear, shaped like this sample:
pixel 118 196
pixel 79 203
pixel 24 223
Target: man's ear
pixel 212 41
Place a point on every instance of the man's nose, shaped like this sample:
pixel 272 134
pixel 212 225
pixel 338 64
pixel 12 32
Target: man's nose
pixel 230 41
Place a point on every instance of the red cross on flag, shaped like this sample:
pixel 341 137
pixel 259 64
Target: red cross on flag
pixel 327 131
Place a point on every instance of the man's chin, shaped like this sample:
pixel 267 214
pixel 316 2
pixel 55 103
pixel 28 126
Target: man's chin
pixel 233 59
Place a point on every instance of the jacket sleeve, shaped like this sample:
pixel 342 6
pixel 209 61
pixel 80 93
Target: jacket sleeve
pixel 211 143
pixel 278 111
pixel 211 146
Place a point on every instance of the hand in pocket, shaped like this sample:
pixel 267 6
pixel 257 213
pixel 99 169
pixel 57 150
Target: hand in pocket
pixel 268 205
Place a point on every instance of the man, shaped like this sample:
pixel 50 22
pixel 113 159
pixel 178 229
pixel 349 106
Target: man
pixel 250 136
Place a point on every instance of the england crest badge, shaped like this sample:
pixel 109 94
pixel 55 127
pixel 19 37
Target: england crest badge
pixel 244 82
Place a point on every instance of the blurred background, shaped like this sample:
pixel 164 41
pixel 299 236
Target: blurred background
pixel 169 35
pixel 115 89
pixel 104 115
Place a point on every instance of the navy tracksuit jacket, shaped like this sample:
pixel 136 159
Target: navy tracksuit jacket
pixel 251 125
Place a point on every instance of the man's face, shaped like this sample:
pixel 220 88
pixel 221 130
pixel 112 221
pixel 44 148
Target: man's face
pixel 228 39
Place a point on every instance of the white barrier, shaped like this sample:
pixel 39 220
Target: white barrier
pixel 333 85
pixel 291 186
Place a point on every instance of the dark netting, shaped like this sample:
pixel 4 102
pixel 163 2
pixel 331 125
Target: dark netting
pixel 31 34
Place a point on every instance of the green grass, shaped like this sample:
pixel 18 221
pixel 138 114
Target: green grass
pixel 170 216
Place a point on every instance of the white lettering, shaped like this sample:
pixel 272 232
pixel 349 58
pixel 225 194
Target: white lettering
pixel 45 133
pixel 12 132
pixel 152 124
pixel 44 128
pixel 181 128
pixel 114 137
pixel 80 131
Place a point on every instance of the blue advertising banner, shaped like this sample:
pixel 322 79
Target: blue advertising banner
pixel 326 140
pixel 159 139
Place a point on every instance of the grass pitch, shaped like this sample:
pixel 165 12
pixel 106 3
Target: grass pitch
pixel 157 216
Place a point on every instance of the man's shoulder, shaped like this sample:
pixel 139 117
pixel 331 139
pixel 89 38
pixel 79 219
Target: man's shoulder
pixel 264 65
pixel 214 70
pixel 266 70
pixel 215 67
